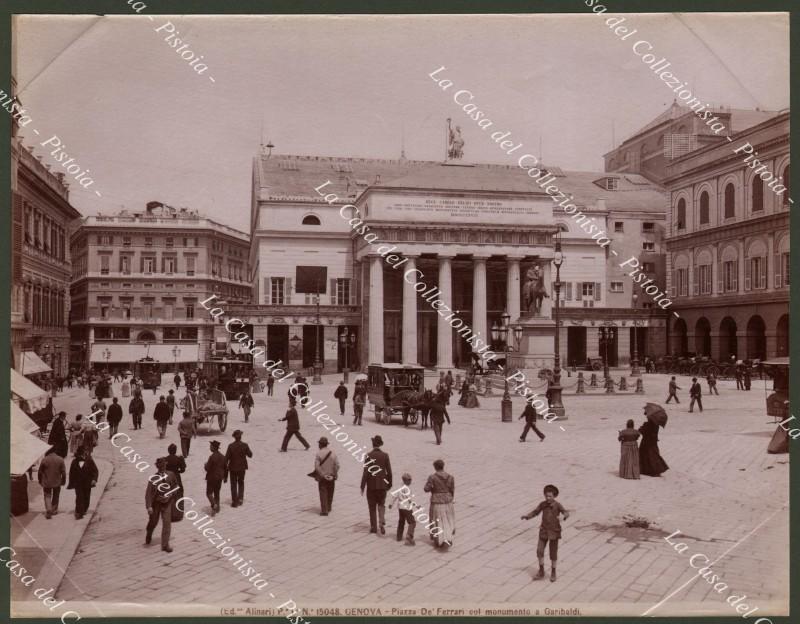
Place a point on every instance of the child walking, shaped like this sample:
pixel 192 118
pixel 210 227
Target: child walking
pixel 549 530
pixel 405 505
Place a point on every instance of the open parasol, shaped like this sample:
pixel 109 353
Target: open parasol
pixel 655 414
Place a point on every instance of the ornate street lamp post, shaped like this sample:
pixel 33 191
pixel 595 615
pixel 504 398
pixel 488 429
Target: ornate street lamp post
pixel 317 378
pixel 635 372
pixel 501 333
pixel 175 354
pixel 344 342
pixel 107 357
pixel 556 406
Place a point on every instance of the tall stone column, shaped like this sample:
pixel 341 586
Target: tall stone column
pixel 444 336
pixel 479 298
pixel 513 288
pixel 375 310
pixel 410 312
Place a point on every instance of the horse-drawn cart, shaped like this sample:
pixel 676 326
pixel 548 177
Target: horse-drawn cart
pixel 393 389
pixel 207 406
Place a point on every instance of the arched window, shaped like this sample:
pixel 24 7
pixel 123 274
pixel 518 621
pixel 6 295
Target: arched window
pixel 757 194
pixel 704 211
pixel 786 182
pixel 730 201
pixel 681 221
pixel 146 336
pixel 311 220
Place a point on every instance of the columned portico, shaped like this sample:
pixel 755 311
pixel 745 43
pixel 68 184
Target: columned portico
pixel 444 340
pixel 513 288
pixel 410 311
pixel 375 309
pixel 479 298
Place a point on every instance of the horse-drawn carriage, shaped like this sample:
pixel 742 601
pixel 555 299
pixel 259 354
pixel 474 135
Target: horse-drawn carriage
pixel 395 388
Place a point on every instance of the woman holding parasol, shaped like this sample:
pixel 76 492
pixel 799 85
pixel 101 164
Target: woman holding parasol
pixel 650 461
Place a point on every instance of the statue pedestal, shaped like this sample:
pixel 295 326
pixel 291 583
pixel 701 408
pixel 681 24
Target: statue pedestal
pixel 536 348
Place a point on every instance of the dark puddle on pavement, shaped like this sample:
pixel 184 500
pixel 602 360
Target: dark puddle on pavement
pixel 638 530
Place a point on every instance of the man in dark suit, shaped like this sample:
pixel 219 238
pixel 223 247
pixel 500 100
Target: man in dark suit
pixel 161 415
pixel 83 475
pixel 58 435
pixel 114 417
pixel 695 394
pixel 438 413
pixel 376 482
pixel 158 500
pixel 215 475
pixel 292 427
pixel 530 422
pixel 235 467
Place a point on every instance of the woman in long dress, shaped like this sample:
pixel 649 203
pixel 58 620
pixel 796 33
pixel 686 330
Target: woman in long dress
pixel 76 434
pixel 629 452
pixel 462 401
pixel 442 513
pixel 472 396
pixel 650 461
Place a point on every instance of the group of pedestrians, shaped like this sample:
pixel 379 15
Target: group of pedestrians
pixel 695 391
pixel 644 458
pixel 83 473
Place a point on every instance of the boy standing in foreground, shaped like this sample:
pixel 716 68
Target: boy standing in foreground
pixel 402 496
pixel 549 530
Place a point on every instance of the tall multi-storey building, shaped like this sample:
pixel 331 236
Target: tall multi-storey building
pixel 40 264
pixel 728 262
pixel 471 230
pixel 138 280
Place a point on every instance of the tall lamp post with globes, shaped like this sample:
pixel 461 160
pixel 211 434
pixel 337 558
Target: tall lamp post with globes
pixel 500 333
pixel 635 372
pixel 556 406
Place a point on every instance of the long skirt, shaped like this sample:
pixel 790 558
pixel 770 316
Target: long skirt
pixel 472 400
pixel 650 461
pixel 443 516
pixel 126 389
pixel 629 460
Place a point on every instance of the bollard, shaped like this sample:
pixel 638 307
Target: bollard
pixel 581 389
pixel 488 387
pixel 639 386
pixel 623 383
pixel 609 385
pixel 593 381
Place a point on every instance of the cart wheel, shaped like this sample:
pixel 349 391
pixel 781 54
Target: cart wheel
pixel 596 366
pixel 223 422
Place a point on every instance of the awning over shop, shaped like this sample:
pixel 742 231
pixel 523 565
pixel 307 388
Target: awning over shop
pixel 26 449
pixel 32 364
pixel 21 419
pixel 24 389
pixel 125 353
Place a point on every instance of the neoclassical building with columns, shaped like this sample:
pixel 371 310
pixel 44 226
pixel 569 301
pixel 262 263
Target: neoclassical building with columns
pixel 414 259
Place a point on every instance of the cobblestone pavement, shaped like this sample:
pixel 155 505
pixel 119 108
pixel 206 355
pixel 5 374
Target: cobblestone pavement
pixel 721 486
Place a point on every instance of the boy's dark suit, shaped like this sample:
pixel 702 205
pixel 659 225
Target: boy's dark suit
pixel 215 474
pixel 376 485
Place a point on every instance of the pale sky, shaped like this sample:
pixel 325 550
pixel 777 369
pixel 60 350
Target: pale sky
pixel 127 107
